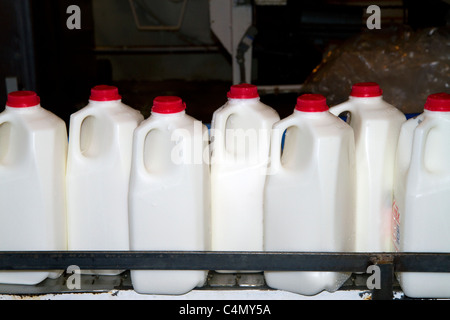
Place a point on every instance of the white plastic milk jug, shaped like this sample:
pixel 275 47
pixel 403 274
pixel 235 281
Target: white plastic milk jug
pixel 169 197
pixel 98 170
pixel 309 193
pixel 376 126
pixel 33 147
pixel 240 135
pixel 421 219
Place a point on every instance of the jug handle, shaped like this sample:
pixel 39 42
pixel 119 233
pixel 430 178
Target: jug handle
pixel 340 108
pixel 418 149
pixel 278 130
pixel 75 133
pixel 140 134
pixel 138 148
pixel 220 125
pixel 2 121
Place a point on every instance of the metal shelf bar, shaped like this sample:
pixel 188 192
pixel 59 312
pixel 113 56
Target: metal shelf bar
pixel 223 260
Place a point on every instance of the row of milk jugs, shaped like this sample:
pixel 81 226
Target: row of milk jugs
pixel 310 182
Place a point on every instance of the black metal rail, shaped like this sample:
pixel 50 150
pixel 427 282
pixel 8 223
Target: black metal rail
pixel 389 263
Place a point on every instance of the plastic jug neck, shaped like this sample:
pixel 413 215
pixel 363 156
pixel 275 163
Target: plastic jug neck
pixel 104 104
pixel 23 110
pixel 168 115
pixel 243 102
pixel 318 114
pixel 368 100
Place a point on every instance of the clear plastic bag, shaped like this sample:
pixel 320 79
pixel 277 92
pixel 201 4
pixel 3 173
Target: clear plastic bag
pixel 408 65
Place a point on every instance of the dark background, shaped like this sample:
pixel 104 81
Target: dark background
pixel 62 65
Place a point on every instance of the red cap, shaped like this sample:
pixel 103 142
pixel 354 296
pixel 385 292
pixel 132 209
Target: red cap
pixel 168 104
pixel 243 91
pixel 311 102
pixel 366 90
pixel 105 93
pixel 22 99
pixel 438 102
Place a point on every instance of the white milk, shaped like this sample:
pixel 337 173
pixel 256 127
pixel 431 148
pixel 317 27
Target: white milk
pixel 98 170
pixel 421 222
pixel 376 125
pixel 309 193
pixel 169 194
pixel 240 135
pixel 33 147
